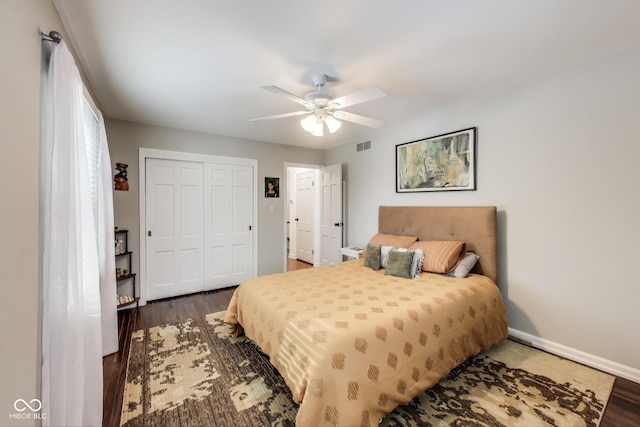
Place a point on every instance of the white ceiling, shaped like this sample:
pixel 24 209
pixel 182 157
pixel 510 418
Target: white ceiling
pixel 199 64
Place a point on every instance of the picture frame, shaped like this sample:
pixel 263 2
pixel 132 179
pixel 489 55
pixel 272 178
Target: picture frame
pixel 271 187
pixel 444 162
pixel 120 180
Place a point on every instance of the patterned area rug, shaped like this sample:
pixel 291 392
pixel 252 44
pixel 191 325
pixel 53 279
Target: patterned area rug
pixel 195 374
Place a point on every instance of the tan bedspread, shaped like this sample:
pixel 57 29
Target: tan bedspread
pixel 352 343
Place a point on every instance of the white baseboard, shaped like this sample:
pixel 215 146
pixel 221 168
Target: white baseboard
pixel 596 362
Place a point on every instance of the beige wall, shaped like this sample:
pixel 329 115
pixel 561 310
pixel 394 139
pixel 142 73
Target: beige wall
pixel 19 151
pixel 558 159
pixel 125 140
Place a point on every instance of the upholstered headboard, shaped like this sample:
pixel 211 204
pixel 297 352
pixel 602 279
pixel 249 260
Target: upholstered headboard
pixel 474 225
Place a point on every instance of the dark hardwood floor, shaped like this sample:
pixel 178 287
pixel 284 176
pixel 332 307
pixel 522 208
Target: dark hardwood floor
pixel 623 409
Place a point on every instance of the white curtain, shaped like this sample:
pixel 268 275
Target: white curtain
pixel 73 239
pixel 106 246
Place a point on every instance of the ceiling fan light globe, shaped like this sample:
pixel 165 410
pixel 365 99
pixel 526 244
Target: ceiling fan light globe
pixel 332 124
pixel 308 123
pixel 318 128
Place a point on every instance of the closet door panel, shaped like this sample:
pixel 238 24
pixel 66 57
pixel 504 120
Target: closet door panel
pixel 228 225
pixel 174 228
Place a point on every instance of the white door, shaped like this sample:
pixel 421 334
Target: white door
pixel 331 222
pixel 228 227
pixel 174 244
pixel 304 215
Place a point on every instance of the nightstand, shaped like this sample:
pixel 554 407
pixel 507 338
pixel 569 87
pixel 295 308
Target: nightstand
pixel 350 253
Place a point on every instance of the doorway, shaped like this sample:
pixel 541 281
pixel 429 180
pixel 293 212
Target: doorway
pixel 303 214
pixel 299 174
pixel 313 214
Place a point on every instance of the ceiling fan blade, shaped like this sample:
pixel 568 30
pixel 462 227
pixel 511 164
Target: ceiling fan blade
pixel 288 95
pixel 281 116
pixel 363 95
pixel 358 119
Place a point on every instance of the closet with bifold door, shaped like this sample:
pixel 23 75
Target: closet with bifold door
pixel 199 224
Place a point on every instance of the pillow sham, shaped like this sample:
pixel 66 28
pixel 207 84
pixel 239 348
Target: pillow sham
pixel 440 256
pixel 465 266
pixel 392 240
pixel 372 257
pixel 399 264
pixel 418 259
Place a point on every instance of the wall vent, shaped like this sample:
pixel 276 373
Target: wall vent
pixel 363 146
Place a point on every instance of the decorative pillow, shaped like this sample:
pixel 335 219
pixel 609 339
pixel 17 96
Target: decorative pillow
pixel 465 266
pixel 440 256
pixel 418 258
pixel 392 240
pixel 399 264
pixel 384 255
pixel 372 257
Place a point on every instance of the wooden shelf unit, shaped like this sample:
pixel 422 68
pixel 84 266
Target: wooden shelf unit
pixel 129 277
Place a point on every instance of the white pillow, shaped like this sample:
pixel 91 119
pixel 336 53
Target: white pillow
pixel 384 255
pixel 465 266
pixel 418 258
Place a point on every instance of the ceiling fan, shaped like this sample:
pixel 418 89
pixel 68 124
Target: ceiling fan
pixel 322 108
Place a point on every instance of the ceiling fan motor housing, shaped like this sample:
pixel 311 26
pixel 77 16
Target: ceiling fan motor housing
pixel 319 99
pixel 319 79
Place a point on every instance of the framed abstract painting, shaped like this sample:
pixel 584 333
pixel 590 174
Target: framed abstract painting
pixel 439 163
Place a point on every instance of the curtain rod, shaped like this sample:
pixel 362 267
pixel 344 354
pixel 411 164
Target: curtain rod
pixel 53 36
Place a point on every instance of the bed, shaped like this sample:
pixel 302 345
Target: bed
pixel 353 343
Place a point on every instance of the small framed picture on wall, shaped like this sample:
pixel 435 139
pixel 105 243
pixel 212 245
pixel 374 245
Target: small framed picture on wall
pixel 271 187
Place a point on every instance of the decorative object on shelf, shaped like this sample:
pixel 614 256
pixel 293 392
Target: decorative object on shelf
pixel 119 245
pixel 271 187
pixel 440 163
pixel 124 276
pixel 123 300
pixel 120 180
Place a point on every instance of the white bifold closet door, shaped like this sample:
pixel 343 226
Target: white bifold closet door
pixel 199 226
